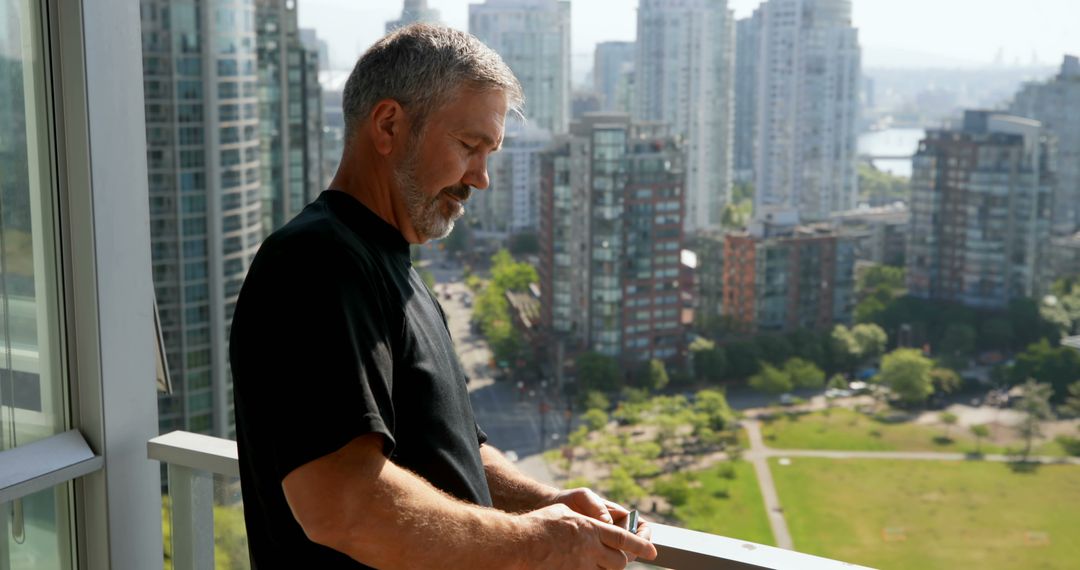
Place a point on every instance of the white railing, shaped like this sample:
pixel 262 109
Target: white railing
pixel 193 459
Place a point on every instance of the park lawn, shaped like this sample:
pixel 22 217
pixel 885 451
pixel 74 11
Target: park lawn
pixel 848 430
pixel 740 515
pixel 932 514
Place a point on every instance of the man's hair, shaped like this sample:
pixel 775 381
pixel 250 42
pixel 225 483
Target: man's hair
pixel 423 67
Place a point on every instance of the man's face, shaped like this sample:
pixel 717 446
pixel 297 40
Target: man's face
pixel 447 159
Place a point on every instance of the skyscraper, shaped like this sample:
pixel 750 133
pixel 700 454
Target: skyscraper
pixel 611 236
pixel 684 76
pixel 787 278
pixel 533 38
pixel 203 156
pixel 610 61
pixel 511 203
pixel 747 41
pixel 807 108
pixel 980 211
pixel 1056 104
pixel 412 12
pixel 290 113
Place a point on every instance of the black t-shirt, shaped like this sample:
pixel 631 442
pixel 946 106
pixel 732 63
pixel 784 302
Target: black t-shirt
pixel 335 336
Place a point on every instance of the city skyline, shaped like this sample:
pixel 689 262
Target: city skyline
pixel 1040 29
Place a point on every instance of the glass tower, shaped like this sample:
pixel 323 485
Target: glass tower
pixel 203 159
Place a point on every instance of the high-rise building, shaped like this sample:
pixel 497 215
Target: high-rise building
pixel 980 211
pixel 511 203
pixel 1056 104
pixel 1064 257
pixel 781 278
pixel 880 233
pixel 807 108
pixel 412 12
pixel 533 38
pixel 611 237
pixel 290 113
pixel 747 41
pixel 684 76
pixel 610 61
pixel 200 82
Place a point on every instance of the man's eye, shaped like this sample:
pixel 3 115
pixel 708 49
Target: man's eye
pixel 467 146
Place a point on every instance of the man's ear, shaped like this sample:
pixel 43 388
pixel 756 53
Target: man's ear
pixel 388 124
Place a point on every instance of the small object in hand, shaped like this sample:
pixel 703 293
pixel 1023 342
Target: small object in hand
pixel 632 522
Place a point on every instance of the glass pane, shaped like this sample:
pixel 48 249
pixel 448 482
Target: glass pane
pixel 32 394
pixel 35 531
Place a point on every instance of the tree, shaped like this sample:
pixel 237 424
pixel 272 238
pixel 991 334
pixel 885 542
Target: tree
pixel 880 277
pixel 509 275
pixel 807 345
pixel 837 382
pixel 596 371
pixel 595 400
pixel 907 373
pixel 1035 405
pixel 945 380
pixel 622 488
pixel 844 349
pixel 958 343
pixel 878 188
pixel 804 374
pixel 771 380
pixel 714 404
pixel 773 349
pixel 871 340
pixel 708 359
pixel 595 419
pixel 742 359
pixel 1058 366
pixel 949 419
pixel 1072 399
pixel 658 376
pixel 979 431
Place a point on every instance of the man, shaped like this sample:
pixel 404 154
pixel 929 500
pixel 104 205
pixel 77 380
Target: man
pixel 358 446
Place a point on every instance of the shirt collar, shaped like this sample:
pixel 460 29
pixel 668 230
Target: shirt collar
pixel 364 222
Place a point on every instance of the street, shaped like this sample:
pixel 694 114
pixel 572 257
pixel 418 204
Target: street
pixel 510 416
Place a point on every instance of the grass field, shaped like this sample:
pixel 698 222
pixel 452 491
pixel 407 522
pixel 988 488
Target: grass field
pixel 927 514
pixel 844 429
pixel 740 515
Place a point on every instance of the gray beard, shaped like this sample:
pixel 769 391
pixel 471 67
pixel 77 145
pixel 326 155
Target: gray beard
pixel 425 213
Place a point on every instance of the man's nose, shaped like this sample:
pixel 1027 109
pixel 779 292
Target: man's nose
pixel 477 174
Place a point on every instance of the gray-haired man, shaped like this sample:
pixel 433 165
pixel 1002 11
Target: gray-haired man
pixel 358 446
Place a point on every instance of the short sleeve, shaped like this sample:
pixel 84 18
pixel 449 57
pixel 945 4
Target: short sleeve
pixel 313 359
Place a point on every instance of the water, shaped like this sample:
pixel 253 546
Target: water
pixel 891 142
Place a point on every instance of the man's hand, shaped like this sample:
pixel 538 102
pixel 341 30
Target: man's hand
pixel 566 539
pixel 585 502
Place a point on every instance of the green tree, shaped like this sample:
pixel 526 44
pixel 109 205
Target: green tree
pixel 709 360
pixel 844 348
pixel 658 376
pixel 774 349
pixel 742 359
pixel 509 275
pixel 595 419
pixel 804 374
pixel 871 340
pixel 880 277
pixel 771 380
pixel 598 372
pixel 945 380
pixel 714 405
pixel 1072 399
pixel 595 400
pixel 1058 366
pixel 980 431
pixel 958 343
pixel 807 345
pixel 877 187
pixel 1034 403
pixel 949 419
pixel 622 488
pixel 907 373
pixel 837 382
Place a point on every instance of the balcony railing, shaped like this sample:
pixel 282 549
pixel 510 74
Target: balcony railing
pixel 194 459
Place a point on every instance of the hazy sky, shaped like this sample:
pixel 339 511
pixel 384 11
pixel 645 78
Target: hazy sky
pixel 905 33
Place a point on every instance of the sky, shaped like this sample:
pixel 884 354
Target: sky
pixel 894 33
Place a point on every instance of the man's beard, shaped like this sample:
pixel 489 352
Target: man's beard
pixel 428 219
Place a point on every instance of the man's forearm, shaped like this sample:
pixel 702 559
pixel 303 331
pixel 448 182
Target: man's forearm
pixel 387 517
pixel 511 490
